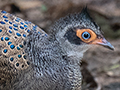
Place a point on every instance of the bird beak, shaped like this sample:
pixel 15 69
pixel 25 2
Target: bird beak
pixel 103 42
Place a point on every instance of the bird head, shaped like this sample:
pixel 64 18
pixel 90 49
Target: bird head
pixel 77 32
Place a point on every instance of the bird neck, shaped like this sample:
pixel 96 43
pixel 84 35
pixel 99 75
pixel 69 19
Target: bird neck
pixel 70 50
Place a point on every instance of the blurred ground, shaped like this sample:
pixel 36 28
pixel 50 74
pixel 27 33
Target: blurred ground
pixel 100 67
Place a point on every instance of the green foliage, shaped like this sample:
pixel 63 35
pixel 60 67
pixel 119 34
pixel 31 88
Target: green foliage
pixel 44 8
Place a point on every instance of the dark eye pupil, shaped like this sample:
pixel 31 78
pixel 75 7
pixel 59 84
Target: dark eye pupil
pixel 85 35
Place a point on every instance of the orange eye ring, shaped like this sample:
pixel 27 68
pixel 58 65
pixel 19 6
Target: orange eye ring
pixel 79 33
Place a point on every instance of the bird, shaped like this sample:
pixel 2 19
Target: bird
pixel 31 59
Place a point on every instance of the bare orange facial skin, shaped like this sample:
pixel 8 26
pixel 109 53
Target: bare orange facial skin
pixel 93 39
pixel 93 36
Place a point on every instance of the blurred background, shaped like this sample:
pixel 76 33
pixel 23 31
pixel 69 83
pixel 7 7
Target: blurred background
pixel 100 66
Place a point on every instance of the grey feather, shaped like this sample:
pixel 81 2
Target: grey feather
pixel 38 61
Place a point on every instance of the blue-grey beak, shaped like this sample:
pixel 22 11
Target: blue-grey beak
pixel 105 43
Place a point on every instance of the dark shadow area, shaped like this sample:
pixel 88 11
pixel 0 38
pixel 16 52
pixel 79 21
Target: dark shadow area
pixel 112 86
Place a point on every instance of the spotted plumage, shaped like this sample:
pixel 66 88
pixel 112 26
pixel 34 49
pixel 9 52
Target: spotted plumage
pixel 13 33
pixel 30 59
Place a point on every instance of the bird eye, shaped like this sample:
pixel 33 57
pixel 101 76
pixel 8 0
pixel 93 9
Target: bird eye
pixel 86 35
